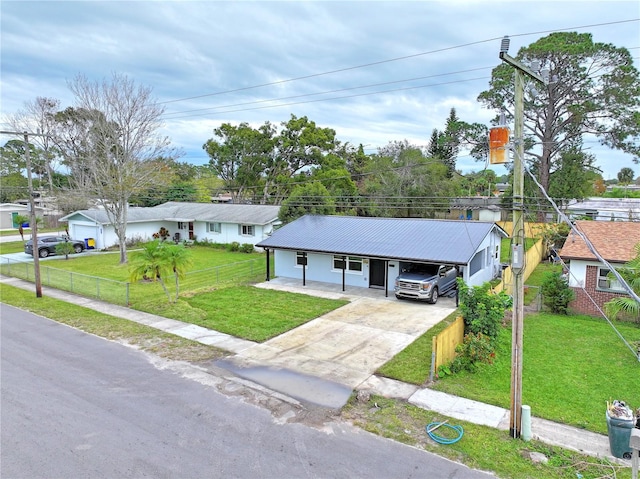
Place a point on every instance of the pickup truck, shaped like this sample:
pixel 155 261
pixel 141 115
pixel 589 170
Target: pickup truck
pixel 425 281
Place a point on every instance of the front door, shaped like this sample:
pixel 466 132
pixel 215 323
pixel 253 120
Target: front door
pixel 190 230
pixel 376 273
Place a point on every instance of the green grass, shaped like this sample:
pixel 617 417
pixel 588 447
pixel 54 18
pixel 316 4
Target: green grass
pixel 101 275
pixel 505 248
pixel 246 311
pixel 572 366
pixel 536 278
pixel 217 296
pixel 481 447
pixel 108 264
pixel 413 364
pixel 12 247
pixel 140 336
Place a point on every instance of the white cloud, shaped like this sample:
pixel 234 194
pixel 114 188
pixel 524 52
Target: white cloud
pixel 196 48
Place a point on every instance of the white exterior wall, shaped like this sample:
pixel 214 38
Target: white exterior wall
pixel 105 234
pixel 229 233
pixel 491 264
pixel 320 268
pixel 578 272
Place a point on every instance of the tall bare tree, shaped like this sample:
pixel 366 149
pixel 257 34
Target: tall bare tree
pixel 120 122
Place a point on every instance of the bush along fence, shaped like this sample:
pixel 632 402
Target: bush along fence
pixel 126 293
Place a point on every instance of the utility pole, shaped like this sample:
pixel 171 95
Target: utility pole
pixel 32 209
pixel 517 253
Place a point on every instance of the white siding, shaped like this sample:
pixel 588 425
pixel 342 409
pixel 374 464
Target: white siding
pixel 229 233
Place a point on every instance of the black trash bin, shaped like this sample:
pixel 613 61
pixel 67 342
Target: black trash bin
pixel 619 436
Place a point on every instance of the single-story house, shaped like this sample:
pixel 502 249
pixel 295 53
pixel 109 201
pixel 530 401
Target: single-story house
pixel 217 223
pixel 605 209
pixel 478 208
pixel 371 252
pixel 588 277
pixel 9 212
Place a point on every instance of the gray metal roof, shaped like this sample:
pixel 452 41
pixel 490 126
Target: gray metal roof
pixel 175 211
pixel 442 241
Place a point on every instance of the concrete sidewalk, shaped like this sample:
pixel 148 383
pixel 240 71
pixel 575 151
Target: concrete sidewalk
pixel 451 406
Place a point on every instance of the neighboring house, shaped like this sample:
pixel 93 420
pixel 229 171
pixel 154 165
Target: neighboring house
pixel 9 211
pixel 605 209
pixel 479 208
pixel 615 242
pixel 217 223
pixel 370 252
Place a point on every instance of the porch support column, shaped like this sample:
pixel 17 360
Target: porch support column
pixel 304 269
pixel 344 269
pixel 268 265
pixel 386 278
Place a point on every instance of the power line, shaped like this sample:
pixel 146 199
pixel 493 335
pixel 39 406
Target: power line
pixel 328 91
pixel 405 57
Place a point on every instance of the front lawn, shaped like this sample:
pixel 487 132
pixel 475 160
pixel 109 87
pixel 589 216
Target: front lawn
pixel 246 311
pixel 215 294
pixel 572 366
pixel 107 264
pixel 12 247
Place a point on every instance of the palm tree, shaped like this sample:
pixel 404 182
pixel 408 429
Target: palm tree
pixel 626 304
pixel 179 259
pixel 150 263
pixel 20 220
pixel 626 176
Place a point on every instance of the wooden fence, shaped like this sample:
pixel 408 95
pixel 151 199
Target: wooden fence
pixel 444 344
pixel 532 258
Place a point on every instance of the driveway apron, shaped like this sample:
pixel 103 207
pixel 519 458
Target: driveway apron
pixel 350 343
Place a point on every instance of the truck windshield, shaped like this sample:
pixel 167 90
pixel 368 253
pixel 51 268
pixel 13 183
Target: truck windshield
pixel 426 269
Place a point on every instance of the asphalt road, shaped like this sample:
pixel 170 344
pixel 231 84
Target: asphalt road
pixel 77 406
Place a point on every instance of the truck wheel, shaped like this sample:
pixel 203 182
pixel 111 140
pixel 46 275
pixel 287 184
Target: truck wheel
pixel 43 253
pixel 434 296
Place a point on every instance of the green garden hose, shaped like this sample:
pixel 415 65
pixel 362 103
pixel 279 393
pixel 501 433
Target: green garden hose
pixel 440 439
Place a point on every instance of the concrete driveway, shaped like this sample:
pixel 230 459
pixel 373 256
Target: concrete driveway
pixel 347 345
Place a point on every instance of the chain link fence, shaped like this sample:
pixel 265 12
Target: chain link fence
pixel 123 293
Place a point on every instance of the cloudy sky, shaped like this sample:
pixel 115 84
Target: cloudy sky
pixel 374 71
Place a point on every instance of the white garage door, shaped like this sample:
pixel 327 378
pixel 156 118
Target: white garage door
pixel 82 232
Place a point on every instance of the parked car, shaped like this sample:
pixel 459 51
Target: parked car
pixel 425 281
pixel 47 245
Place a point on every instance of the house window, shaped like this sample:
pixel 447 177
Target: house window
pixel 246 230
pixel 301 258
pixel 608 283
pixel 497 252
pixel 214 227
pixel 182 225
pixel 352 264
pixel 476 263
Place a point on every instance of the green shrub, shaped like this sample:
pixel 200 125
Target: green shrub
pixel 556 293
pixel 476 348
pixel 235 246
pixel 247 248
pixel 481 309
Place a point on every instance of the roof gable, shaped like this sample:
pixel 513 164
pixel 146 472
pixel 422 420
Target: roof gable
pixel 426 240
pixel 614 240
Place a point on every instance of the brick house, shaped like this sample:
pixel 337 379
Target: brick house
pixel 615 242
